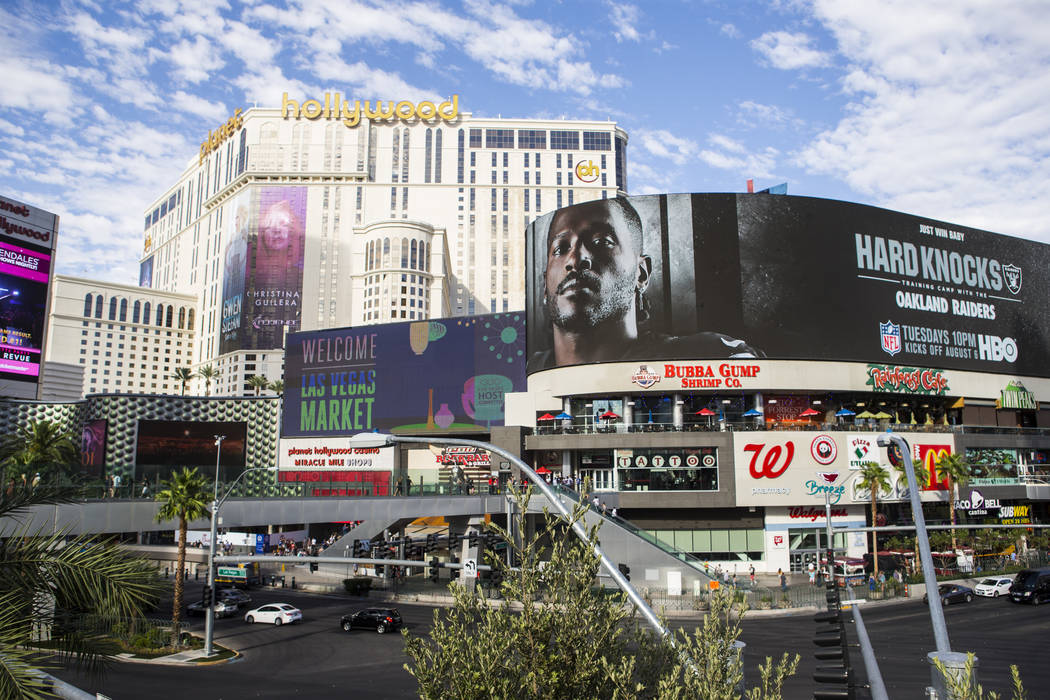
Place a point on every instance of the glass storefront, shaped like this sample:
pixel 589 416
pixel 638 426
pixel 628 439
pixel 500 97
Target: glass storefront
pixel 809 544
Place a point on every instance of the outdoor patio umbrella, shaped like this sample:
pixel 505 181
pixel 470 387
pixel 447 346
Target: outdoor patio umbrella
pixel 546 416
pixel 609 414
pixel 563 416
pixel 844 412
pixel 752 413
pixel 865 414
pixel 882 415
pixel 705 412
pixel 809 412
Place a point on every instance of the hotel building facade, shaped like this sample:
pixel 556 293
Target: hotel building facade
pixel 323 213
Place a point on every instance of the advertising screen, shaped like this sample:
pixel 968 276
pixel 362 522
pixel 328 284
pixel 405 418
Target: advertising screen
pixel 146 272
pixel 722 275
pixel 189 443
pixel 263 270
pixel 93 447
pixel 794 468
pixel 24 274
pixel 444 375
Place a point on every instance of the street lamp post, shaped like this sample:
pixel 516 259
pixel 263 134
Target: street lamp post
pixel 953 662
pixel 209 613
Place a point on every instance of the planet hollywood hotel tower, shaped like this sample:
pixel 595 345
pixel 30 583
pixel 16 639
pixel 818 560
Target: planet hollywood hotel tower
pixel 328 211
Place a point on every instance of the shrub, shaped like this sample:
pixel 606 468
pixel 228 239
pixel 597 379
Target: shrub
pixel 358 586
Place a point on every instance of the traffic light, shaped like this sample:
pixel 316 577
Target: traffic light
pixel 361 548
pixel 833 648
pixel 434 573
pixel 625 570
pixel 207 597
pixel 431 543
pixel 313 566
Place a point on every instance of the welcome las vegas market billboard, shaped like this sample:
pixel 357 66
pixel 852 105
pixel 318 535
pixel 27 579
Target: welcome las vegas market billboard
pixel 442 375
pixel 27 242
pixel 718 275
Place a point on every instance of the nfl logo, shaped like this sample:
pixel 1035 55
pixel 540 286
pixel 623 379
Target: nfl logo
pixel 891 337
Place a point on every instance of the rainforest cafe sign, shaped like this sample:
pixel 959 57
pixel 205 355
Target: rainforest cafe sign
pixel 350 113
pixel 916 380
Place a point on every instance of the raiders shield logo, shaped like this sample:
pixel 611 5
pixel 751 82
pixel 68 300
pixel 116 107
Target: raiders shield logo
pixel 1012 273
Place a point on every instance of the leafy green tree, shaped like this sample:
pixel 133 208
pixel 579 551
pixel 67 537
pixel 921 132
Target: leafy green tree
pixel 874 477
pixel 277 386
pixel 184 498
pixel 556 634
pixel 207 373
pixel 41 447
pixel 258 382
pixel 956 470
pixel 182 375
pixel 50 585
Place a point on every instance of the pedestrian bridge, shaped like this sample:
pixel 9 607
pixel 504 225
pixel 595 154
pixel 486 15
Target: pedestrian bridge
pixel 658 562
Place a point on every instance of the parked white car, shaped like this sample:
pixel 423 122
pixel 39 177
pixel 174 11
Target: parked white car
pixel 993 587
pixel 275 614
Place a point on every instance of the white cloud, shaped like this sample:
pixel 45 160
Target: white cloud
pixel 728 154
pixel 757 115
pixel 730 31
pixel 789 51
pixel 194 61
pixel 948 114
pixel 211 112
pixel 624 17
pixel 664 144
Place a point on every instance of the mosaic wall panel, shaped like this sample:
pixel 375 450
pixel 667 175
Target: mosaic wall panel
pixel 122 412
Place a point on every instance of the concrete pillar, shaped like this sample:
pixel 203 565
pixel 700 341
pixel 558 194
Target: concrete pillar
pixel 954 663
pixel 676 415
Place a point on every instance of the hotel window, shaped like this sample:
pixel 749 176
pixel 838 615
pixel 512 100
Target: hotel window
pixel 597 141
pixel 565 140
pixel 499 138
pixel 459 159
pixel 475 138
pixel 532 138
pixel 429 148
pixel 87 305
pixel 437 156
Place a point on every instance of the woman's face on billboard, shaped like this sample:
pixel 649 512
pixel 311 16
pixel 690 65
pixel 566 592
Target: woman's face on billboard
pixel 278 231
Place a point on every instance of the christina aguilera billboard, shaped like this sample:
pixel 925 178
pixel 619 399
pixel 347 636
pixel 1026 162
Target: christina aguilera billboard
pixel 707 276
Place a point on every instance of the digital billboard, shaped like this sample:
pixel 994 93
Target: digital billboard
pixel 263 271
pixel 708 276
pixel 93 447
pixel 24 274
pixel 189 443
pixel 146 272
pixel 443 375
pixel 790 468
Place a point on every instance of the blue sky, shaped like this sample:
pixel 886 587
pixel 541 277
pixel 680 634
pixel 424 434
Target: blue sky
pixel 938 108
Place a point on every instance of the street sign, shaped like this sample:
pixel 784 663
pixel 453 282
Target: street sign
pixel 470 568
pixel 231 572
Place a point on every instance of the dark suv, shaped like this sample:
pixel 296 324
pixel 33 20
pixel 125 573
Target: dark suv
pixel 379 619
pixel 1031 586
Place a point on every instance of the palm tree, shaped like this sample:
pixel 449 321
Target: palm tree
pixel 258 382
pixel 874 477
pixel 41 447
pixel 207 373
pixel 277 386
pixel 68 587
pixel 956 470
pixel 182 375
pixel 183 498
